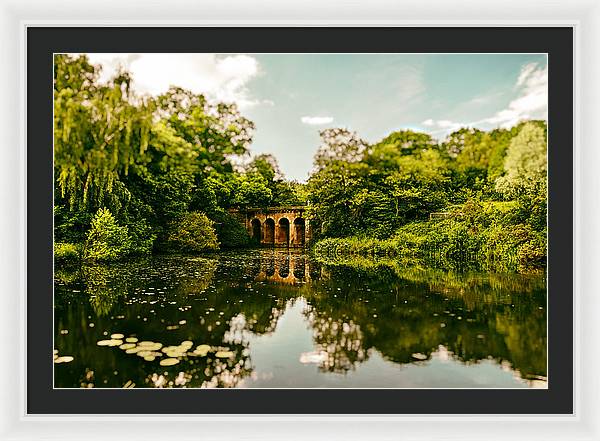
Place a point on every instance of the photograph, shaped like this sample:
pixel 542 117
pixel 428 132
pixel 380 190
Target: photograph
pixel 300 221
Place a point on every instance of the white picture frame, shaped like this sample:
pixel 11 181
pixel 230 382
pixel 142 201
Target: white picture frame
pixel 582 15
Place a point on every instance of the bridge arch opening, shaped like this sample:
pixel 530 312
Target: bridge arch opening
pixel 300 231
pixel 283 236
pixel 269 231
pixel 256 233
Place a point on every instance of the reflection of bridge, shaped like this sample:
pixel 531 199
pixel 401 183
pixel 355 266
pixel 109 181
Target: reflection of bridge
pixel 287 269
pixel 276 226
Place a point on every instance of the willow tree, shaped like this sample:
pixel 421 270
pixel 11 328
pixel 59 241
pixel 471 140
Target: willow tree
pixel 100 131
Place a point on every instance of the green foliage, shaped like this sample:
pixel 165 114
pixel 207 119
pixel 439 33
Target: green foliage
pixel 151 160
pixel 480 235
pixel 489 187
pixel 252 190
pixel 66 252
pixel 192 233
pixel 156 164
pixel 106 240
pixel 339 146
pixel 230 231
pixel 99 132
pixel 525 164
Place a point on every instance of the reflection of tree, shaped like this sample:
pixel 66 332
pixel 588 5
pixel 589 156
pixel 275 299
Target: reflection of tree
pixel 102 287
pixel 396 310
pixel 340 341
pixel 414 310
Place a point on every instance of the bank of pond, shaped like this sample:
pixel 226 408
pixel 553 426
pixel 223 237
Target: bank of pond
pixel 279 318
pixel 491 240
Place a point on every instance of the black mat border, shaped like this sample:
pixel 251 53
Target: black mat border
pixel 42 42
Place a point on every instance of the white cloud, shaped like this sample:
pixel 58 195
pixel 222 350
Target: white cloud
pixel 531 103
pixel 224 78
pixel 443 126
pixel 316 120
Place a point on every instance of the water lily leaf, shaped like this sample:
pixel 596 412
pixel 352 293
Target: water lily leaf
pixel 224 354
pixel 111 342
pixel 419 356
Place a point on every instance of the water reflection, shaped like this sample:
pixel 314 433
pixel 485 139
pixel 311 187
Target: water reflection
pixel 269 318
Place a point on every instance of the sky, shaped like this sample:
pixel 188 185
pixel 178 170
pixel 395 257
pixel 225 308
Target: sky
pixel 291 97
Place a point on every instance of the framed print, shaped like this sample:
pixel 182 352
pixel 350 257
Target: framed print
pixel 236 223
pixel 412 261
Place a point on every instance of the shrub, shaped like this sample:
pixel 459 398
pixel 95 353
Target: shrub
pixel 142 237
pixel 106 240
pixel 230 232
pixel 66 252
pixel 192 233
pixel 452 243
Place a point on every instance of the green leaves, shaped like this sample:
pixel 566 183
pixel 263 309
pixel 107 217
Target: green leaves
pixel 106 240
pixel 99 132
pixel 379 203
pixel 192 233
pixel 526 163
pixel 147 160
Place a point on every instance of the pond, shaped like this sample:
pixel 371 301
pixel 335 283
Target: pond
pixel 281 319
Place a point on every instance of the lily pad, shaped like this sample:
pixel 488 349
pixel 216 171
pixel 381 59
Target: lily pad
pixel 111 342
pixel 202 350
pixel 419 356
pixel 63 359
pixel 169 361
pixel 224 354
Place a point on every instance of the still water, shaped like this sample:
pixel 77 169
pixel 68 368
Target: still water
pixel 279 319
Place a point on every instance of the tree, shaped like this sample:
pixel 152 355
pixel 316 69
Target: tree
pixel 526 164
pixel 267 166
pixel 106 239
pixel 252 190
pixel 339 145
pixel 100 131
pixel 192 233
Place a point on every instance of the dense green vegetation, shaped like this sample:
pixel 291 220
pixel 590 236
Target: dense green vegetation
pixel 136 174
pixel 139 174
pixel 486 190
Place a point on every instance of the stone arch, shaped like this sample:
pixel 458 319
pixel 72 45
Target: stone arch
pixel 269 231
pixel 256 230
pixel 283 232
pixel 299 231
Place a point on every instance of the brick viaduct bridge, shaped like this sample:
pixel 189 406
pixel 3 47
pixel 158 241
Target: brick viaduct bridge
pixel 276 226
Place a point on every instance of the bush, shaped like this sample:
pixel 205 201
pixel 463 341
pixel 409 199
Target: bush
pixel 106 240
pixel 192 233
pixel 142 237
pixel 230 232
pixel 453 243
pixel 66 252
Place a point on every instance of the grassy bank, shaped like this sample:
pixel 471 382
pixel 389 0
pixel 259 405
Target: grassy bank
pixel 450 243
